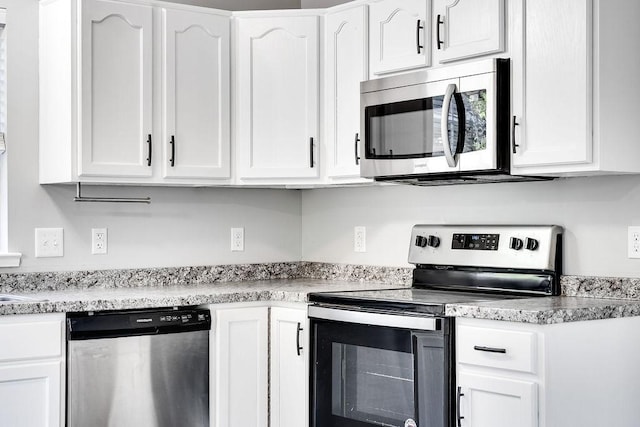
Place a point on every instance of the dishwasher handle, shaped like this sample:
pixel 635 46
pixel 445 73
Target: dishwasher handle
pixel 124 323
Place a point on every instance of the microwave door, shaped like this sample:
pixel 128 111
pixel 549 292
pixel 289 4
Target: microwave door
pixel 479 147
pixel 403 130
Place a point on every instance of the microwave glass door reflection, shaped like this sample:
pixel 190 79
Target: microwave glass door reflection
pixel 475 126
pixel 372 385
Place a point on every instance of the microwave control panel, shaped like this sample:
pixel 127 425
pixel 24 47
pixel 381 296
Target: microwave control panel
pixel 475 242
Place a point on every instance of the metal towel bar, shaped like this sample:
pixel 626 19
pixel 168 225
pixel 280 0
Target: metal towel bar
pixel 80 198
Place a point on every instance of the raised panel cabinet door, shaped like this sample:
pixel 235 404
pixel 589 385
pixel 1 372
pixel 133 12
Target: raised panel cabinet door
pixel 289 368
pixel 116 74
pixel 467 28
pixel 196 98
pixel 552 84
pixel 400 35
pixel 346 66
pixel 241 367
pixel 30 394
pixel 278 97
pixel 488 401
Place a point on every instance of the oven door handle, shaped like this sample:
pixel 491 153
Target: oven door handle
pixel 444 125
pixel 416 323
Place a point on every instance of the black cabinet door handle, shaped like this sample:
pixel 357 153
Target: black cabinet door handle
pixel 513 135
pixel 439 41
pixel 311 152
pixel 173 151
pixel 419 27
pixel 458 396
pixel 298 346
pixel 356 144
pixel 149 145
pixel 490 349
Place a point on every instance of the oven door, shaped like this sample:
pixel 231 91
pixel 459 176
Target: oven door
pixel 365 374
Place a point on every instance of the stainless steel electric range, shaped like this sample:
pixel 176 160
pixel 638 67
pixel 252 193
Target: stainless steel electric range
pixel 387 358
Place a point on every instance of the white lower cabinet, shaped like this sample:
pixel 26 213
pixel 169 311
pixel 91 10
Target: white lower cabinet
pixel 243 388
pixel 32 370
pixel 568 374
pixel 289 391
pixel 239 366
pixel 494 401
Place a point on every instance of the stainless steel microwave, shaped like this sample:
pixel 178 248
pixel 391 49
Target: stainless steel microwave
pixel 445 124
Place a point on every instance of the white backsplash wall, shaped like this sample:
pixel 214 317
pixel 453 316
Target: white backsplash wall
pixel 182 226
pixel 594 211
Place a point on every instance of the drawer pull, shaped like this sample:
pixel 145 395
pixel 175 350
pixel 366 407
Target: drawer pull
pixel 490 349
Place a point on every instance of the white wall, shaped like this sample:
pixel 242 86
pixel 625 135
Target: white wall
pixel 244 4
pixel 594 211
pixel 313 4
pixel 181 227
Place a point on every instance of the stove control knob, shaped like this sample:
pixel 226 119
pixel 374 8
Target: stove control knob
pixel 516 244
pixel 421 241
pixel 433 241
pixel 532 244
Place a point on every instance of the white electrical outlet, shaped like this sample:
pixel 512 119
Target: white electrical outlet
pixel 634 242
pixel 359 239
pixel 98 241
pixel 237 239
pixel 49 242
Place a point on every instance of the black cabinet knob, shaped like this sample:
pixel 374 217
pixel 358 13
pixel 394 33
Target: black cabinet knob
pixel 421 241
pixel 532 244
pixel 515 243
pixel 433 241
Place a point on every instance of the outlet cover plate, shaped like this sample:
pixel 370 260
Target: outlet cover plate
pixel 99 241
pixel 359 239
pixel 49 242
pixel 634 242
pixel 237 239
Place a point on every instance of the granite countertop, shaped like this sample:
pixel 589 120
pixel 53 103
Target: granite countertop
pixel 95 299
pixel 547 310
pixel 541 310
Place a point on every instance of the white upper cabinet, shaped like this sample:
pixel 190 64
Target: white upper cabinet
pixel 574 107
pixel 277 96
pixel 196 98
pixel 142 76
pixel 399 35
pixel 346 65
pixel 467 28
pixel 116 85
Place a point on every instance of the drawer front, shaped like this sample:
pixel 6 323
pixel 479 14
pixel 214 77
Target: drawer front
pixel 497 348
pixel 30 337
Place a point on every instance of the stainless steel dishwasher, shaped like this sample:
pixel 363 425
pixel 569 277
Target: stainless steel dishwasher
pixel 138 368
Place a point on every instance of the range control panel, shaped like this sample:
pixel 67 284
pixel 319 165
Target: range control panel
pixel 476 242
pixel 501 246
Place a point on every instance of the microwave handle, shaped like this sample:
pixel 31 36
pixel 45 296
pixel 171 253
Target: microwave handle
pixel 444 125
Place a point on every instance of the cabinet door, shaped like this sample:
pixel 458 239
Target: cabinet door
pixel 467 28
pixel 278 99
pixel 30 395
pixel 552 84
pixel 400 35
pixel 289 368
pixel 240 375
pixel 346 66
pixel 196 95
pixel 116 74
pixel 488 401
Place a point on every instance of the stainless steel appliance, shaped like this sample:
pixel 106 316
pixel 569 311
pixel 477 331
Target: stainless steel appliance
pixel 387 358
pixel 138 368
pixel 449 124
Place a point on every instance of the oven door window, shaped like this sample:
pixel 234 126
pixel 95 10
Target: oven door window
pixel 364 376
pixel 372 385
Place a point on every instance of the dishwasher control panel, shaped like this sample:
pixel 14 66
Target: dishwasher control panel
pixel 111 324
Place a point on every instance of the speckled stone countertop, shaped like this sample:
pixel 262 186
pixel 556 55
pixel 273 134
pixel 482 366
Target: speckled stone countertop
pixel 547 310
pixel 95 299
